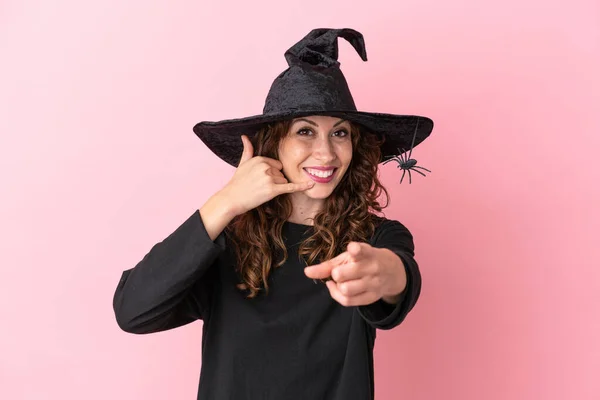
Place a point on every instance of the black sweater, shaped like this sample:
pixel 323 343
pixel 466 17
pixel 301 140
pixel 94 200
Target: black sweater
pixel 294 343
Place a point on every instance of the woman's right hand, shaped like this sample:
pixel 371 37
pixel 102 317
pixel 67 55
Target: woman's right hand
pixel 256 181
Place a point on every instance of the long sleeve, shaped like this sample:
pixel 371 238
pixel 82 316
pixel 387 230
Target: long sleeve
pixel 170 286
pixel 394 236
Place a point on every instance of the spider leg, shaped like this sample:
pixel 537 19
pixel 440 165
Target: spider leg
pixel 416 166
pixel 403 156
pixel 409 177
pixel 403 172
pixel 416 170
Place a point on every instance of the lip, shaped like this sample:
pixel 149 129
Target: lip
pixel 322 168
pixel 318 179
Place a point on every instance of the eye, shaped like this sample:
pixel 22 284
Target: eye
pixel 304 131
pixel 341 133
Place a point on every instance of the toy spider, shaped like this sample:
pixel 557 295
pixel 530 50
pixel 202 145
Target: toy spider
pixel 406 164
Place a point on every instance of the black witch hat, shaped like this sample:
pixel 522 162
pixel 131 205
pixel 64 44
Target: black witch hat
pixel 314 85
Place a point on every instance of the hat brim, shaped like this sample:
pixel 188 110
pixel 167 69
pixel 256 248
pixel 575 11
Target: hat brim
pixel 223 137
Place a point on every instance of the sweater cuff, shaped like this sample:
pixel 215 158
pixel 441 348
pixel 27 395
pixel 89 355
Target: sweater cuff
pixel 383 315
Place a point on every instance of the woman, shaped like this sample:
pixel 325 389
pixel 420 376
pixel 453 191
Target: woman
pixel 287 265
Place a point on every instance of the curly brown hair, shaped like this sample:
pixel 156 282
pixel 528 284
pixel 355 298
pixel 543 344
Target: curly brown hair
pixel 348 213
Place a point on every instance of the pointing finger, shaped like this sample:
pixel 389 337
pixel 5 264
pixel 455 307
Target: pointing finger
pixel 319 271
pixel 323 270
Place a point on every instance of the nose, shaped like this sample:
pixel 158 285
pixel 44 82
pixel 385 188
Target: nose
pixel 324 150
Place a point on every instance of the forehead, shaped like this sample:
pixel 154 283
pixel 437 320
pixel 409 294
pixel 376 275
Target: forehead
pixel 319 120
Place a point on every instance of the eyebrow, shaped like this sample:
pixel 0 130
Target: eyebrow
pixel 341 121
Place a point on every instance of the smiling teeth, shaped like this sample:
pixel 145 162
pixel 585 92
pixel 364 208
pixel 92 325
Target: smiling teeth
pixel 320 174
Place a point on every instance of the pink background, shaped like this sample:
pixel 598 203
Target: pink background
pixel 99 162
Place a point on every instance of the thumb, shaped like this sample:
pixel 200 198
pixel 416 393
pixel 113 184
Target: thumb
pixel 248 152
pixel 357 250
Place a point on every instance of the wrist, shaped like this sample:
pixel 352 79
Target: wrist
pixel 392 299
pixel 398 281
pixel 221 202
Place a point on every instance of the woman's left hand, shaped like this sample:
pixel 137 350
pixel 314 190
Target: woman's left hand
pixel 362 275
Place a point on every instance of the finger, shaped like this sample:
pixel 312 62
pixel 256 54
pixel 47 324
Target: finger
pixel 271 162
pixel 293 187
pixel 275 172
pixel 347 271
pixel 280 180
pixel 323 270
pixel 248 151
pixel 339 260
pixel 352 288
pixel 359 250
pixel 318 271
pixel 362 299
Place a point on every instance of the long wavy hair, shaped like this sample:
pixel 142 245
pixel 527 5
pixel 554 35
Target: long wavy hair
pixel 347 215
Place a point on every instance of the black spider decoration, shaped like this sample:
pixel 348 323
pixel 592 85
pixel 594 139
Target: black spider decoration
pixel 405 162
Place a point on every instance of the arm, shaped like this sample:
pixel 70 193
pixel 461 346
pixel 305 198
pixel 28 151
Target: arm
pixel 396 264
pixel 389 312
pixel 170 286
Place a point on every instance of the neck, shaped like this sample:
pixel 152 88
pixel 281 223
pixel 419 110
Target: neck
pixel 304 209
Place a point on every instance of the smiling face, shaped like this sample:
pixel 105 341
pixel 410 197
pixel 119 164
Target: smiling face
pixel 317 148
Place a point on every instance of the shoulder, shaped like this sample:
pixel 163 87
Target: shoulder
pixel 390 232
pixel 384 224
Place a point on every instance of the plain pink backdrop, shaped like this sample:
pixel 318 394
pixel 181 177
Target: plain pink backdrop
pixel 99 162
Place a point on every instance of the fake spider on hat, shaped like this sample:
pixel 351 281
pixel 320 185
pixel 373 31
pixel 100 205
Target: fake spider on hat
pixel 405 162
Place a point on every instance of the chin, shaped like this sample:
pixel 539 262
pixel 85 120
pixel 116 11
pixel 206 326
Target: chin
pixel 319 192
pixel 322 196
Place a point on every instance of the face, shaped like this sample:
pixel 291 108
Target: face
pixel 317 148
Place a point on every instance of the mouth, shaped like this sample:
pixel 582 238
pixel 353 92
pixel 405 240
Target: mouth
pixel 320 176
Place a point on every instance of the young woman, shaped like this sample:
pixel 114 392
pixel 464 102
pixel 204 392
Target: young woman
pixel 288 265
